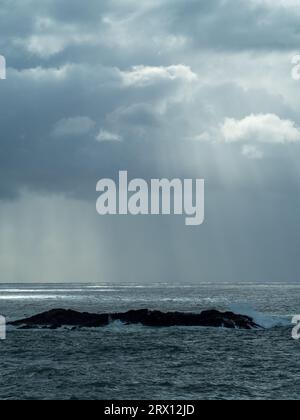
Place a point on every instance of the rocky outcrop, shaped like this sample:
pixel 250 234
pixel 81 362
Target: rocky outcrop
pixel 60 317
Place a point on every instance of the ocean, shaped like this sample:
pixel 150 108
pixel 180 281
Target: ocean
pixel 135 362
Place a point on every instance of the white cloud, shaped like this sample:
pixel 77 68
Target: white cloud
pixel 147 75
pixel 278 3
pixel 203 137
pixel 45 45
pixel 73 126
pixel 43 74
pixel 104 135
pixel 50 38
pixel 262 128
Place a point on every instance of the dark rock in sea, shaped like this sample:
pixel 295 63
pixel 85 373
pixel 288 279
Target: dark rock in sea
pixel 60 317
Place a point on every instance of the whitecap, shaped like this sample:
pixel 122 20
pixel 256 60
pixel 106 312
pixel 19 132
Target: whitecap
pixel 262 319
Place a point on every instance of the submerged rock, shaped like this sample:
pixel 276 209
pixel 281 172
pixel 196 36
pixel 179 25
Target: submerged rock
pixel 61 317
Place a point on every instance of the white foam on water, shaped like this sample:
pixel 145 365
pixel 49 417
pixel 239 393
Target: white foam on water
pixel 262 319
pixel 32 296
pixel 45 290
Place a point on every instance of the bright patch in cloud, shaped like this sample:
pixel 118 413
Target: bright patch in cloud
pixel 252 152
pixel 104 135
pixel 146 75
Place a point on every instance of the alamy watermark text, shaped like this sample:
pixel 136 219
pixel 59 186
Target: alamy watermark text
pixel 2 328
pixel 2 68
pixel 158 197
pixel 296 329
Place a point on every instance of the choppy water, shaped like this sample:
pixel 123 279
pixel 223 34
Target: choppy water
pixel 136 362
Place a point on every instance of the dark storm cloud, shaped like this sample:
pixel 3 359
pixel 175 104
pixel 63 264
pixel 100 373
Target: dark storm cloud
pixel 148 86
pixel 120 30
pixel 235 24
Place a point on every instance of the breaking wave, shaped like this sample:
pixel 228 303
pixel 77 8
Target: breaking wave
pixel 264 320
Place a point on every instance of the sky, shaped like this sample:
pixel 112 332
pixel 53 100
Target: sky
pixel 161 89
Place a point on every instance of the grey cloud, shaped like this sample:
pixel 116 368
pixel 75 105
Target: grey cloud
pixel 157 75
pixel 234 24
pixel 118 31
pixel 74 126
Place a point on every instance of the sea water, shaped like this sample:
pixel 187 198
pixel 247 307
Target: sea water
pixel 136 362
